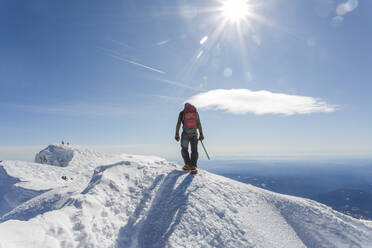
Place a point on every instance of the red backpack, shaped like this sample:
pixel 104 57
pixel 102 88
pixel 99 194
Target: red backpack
pixel 190 116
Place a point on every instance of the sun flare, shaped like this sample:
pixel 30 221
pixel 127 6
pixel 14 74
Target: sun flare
pixel 235 10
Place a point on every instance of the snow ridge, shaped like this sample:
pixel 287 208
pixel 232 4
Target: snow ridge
pixel 140 201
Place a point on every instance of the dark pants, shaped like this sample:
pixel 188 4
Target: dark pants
pixel 193 140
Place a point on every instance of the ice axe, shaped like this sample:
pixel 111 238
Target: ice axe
pixel 205 150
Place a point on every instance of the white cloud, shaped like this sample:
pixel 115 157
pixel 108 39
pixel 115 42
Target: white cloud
pixel 346 7
pixel 244 101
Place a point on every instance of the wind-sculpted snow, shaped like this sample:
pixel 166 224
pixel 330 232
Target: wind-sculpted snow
pixel 11 195
pixel 97 175
pixel 55 155
pixel 129 201
pixel 41 203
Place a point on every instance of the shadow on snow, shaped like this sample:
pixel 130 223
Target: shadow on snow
pixel 163 217
pixel 27 204
pixel 12 196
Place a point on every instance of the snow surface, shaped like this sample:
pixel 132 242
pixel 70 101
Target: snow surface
pixel 141 201
pixel 55 155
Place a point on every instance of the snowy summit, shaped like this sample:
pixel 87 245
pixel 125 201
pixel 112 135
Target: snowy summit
pixel 75 197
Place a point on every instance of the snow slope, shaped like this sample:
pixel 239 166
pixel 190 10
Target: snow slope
pixel 137 201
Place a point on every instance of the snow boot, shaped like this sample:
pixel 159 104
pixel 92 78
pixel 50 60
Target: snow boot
pixel 186 167
pixel 193 170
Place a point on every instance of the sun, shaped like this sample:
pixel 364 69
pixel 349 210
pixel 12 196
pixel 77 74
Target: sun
pixel 235 10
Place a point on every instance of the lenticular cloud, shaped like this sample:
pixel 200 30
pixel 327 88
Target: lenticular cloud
pixel 243 101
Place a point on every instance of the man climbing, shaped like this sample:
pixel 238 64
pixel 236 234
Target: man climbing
pixel 190 120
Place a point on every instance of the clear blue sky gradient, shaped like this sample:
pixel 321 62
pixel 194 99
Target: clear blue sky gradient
pixel 60 76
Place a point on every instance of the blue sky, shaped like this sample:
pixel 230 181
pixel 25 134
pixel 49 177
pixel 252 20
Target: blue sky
pixel 115 74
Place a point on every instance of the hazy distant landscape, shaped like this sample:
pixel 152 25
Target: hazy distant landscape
pixel 343 184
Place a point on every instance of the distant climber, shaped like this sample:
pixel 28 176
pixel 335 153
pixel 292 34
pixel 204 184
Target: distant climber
pixel 63 142
pixel 66 178
pixel 68 143
pixel 190 120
